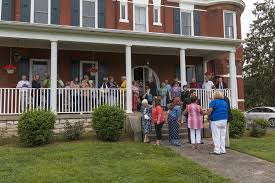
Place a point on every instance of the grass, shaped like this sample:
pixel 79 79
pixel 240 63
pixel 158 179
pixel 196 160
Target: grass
pixel 263 148
pixel 93 161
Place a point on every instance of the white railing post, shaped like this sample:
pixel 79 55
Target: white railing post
pixel 182 67
pixel 53 96
pixel 129 79
pixel 233 80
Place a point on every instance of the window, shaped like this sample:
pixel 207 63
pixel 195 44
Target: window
pixel 123 12
pixel 157 19
pixel 229 24
pixel 140 18
pixel 41 10
pixel 186 23
pixel 88 13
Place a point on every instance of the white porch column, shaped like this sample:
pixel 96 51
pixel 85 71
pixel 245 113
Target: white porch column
pixel 129 79
pixel 182 67
pixel 233 79
pixel 54 75
pixel 205 66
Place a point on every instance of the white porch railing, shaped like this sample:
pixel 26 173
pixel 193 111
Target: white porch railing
pixel 86 100
pixel 206 96
pixel 17 100
pixel 73 101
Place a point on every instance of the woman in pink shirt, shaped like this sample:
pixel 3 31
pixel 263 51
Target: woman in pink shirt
pixel 195 124
pixel 157 118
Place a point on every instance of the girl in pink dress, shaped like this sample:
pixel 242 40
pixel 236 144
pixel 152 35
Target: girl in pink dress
pixel 195 124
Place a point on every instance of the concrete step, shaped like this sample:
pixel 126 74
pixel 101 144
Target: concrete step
pixel 166 130
pixel 165 136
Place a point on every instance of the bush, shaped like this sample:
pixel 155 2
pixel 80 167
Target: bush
pixel 35 127
pixel 259 127
pixel 237 124
pixel 107 121
pixel 73 132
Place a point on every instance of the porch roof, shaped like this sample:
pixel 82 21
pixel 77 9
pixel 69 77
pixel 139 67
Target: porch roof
pixel 65 33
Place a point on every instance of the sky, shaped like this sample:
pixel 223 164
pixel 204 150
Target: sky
pixel 247 16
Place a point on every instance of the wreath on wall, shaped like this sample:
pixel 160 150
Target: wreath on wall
pixel 92 70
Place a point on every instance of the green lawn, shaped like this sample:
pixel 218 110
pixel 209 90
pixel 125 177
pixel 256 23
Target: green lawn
pixel 260 147
pixel 92 161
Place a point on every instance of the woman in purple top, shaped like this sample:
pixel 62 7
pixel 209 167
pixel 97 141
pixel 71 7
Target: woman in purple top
pixel 175 91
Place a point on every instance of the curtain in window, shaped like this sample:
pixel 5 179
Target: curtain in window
pixel 41 11
pixel 186 23
pixel 228 22
pixel 88 14
pixel 140 19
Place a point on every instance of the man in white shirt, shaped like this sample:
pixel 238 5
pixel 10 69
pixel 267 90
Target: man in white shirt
pixel 24 93
pixel 208 85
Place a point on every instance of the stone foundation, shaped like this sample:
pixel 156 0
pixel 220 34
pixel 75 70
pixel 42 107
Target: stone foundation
pixel 8 124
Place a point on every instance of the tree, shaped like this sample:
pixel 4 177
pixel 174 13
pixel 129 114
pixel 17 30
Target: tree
pixel 259 55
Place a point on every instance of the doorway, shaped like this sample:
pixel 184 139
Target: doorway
pixel 85 69
pixel 144 74
pixel 39 66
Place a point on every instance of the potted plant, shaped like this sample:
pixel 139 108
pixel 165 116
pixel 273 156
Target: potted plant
pixel 10 68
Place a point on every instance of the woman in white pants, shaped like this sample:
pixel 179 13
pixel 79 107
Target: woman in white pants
pixel 218 112
pixel 194 121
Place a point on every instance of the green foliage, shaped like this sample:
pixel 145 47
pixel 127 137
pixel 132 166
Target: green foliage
pixel 237 125
pixel 259 127
pixel 73 131
pixel 107 121
pixel 259 51
pixel 35 127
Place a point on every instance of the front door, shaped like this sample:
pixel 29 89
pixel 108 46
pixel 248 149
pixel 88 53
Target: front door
pixel 89 68
pixel 38 66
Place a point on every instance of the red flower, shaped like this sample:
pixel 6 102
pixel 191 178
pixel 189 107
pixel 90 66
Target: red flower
pixel 9 66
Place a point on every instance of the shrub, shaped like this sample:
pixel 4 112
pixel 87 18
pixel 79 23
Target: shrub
pixel 237 124
pixel 73 132
pixel 35 127
pixel 107 121
pixel 259 127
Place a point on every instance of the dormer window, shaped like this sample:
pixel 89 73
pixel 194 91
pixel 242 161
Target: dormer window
pixel 123 12
pixel 230 24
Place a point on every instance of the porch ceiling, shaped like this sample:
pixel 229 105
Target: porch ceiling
pixel 63 45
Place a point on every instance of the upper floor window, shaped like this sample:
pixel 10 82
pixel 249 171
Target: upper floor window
pixel 187 23
pixel 229 24
pixel 40 11
pixel 123 12
pixel 88 12
pixel 157 18
pixel 140 18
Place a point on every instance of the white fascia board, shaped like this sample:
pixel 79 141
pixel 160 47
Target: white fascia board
pixel 115 37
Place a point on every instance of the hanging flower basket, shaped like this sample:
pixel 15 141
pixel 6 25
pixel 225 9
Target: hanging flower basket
pixel 93 70
pixel 10 68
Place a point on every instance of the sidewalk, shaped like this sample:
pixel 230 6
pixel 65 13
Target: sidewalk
pixel 239 167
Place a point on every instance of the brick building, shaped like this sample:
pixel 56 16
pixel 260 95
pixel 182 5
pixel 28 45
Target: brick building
pixel 162 39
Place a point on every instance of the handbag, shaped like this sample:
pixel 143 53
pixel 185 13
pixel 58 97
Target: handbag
pixel 103 90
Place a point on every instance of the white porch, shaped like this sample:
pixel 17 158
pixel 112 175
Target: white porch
pixel 57 37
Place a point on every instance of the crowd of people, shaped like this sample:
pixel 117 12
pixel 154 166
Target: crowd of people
pixel 184 107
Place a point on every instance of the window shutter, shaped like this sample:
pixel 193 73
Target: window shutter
pixel 75 69
pixel 101 14
pixel 176 21
pixel 55 11
pixel 25 10
pixel 23 67
pixel 6 10
pixel 75 12
pixel 197 23
pixel 199 73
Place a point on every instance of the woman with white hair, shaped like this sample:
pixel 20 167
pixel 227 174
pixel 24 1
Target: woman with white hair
pixel 146 120
pixel 218 113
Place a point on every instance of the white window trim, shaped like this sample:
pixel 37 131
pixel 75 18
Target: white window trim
pixel 81 13
pixel 49 11
pixel 134 16
pixel 192 21
pixel 81 70
pixel 126 20
pixel 158 23
pixel 234 23
pixel 0 9
pixel 38 60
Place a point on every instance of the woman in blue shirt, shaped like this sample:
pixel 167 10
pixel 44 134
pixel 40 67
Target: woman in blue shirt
pixel 218 112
